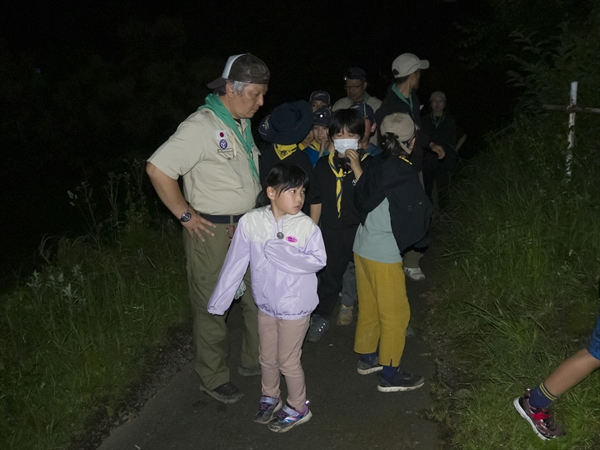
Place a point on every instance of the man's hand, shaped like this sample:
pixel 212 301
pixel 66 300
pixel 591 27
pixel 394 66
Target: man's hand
pixel 438 149
pixel 198 226
pixel 352 155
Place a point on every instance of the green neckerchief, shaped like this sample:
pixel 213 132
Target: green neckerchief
pixel 214 103
pixel 402 97
pixel 367 97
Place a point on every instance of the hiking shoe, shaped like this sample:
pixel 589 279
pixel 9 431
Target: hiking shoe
pixel 318 326
pixel 345 316
pixel 249 371
pixel 402 381
pixel 414 273
pixel 288 418
pixel 226 393
pixel 540 419
pixel 366 367
pixel 266 408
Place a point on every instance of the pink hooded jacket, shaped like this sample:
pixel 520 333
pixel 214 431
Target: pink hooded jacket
pixel 283 271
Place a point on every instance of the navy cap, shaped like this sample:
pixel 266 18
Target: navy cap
pixel 355 73
pixel 364 110
pixel 321 96
pixel 322 116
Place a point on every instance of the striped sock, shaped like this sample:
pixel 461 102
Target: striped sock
pixel 541 397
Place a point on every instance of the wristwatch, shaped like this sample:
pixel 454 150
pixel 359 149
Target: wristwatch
pixel 186 216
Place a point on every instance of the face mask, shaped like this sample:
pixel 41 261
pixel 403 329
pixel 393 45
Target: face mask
pixel 341 145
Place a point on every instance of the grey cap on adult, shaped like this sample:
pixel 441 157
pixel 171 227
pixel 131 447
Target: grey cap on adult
pixel 407 63
pixel 246 68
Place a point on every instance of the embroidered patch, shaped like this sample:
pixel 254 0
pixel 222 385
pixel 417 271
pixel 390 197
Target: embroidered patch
pixel 221 134
pixel 223 143
pixel 291 239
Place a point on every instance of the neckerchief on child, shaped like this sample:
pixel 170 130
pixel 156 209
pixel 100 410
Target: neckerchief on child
pixel 214 103
pixel 339 177
pixel 283 151
pixel 313 144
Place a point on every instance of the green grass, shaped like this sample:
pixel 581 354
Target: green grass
pixel 75 334
pixel 519 287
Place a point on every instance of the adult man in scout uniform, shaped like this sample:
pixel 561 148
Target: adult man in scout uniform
pixel 355 80
pixel 214 152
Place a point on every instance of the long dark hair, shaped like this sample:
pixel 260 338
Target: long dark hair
pixel 282 177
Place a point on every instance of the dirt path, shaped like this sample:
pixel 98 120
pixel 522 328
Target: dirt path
pixel 348 411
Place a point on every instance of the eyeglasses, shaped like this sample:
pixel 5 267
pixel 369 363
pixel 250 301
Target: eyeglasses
pixel 350 87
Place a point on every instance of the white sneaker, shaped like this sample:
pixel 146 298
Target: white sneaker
pixel 414 273
pixel 345 316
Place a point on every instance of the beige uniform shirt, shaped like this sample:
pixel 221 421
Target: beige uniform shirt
pixel 345 103
pixel 214 165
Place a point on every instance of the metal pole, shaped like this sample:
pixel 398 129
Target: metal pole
pixel 572 102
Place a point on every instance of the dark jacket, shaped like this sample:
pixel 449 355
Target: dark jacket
pixel 410 209
pixel 393 104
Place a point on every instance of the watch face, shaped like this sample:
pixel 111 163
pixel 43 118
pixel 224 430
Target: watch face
pixel 185 217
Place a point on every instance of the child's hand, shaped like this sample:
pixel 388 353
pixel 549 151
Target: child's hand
pixel 352 155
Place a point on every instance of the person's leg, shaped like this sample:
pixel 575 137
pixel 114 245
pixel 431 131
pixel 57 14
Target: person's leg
pixel 349 293
pixel 294 412
pixel 268 334
pixel 569 373
pixel 338 245
pixel 393 310
pixel 291 335
pixel 535 406
pixel 367 333
pixel 270 400
pixel 249 357
pixel 211 337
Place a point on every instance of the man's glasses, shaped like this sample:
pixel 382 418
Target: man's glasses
pixel 350 87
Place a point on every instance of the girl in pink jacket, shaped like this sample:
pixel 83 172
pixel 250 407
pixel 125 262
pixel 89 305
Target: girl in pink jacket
pixel 285 250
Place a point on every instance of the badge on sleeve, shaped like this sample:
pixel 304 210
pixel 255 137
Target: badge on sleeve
pixel 221 136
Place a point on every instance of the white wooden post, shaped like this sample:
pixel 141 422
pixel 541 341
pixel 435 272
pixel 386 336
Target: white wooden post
pixel 572 103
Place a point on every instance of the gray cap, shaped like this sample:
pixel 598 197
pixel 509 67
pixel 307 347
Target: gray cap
pixel 246 68
pixel 407 63
pixel 401 125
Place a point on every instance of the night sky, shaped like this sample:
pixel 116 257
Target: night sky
pixel 307 45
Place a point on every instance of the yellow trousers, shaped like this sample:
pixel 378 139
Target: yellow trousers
pixel 383 310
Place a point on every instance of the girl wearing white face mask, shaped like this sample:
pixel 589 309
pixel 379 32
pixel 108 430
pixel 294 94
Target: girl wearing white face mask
pixel 331 199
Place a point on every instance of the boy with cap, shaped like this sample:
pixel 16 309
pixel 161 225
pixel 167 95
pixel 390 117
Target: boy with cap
pixel 318 146
pixel 332 206
pixel 213 151
pixel 402 97
pixel 356 85
pixel 319 99
pixel 370 127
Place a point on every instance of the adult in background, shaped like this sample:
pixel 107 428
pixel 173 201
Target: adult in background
pixel 402 97
pixel 283 130
pixel 213 151
pixel 356 90
pixel 442 128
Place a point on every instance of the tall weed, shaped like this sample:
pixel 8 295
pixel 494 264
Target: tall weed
pixel 522 262
pixel 76 332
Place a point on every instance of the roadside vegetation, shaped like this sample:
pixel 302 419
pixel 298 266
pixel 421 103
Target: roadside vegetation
pixel 76 333
pixel 521 262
